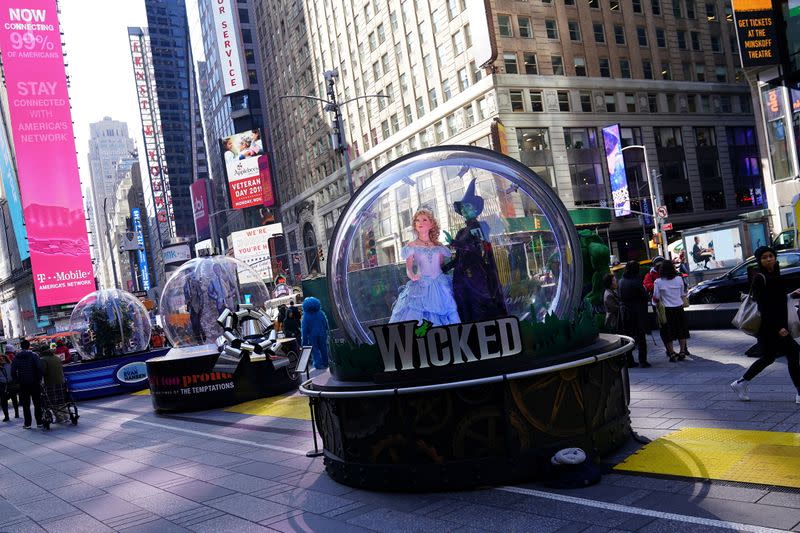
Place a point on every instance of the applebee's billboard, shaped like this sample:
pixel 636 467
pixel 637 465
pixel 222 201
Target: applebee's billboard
pixel 47 166
pixel 241 153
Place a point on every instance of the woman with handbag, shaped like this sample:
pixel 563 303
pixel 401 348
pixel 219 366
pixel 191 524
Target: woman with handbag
pixel 611 303
pixel 7 388
pixel 769 291
pixel 669 291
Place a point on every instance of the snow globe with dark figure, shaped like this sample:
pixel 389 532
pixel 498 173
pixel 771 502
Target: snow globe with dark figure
pixel 416 399
pixel 476 284
pixel 217 316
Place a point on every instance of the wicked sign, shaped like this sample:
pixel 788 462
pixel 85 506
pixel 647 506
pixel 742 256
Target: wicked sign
pixel 407 346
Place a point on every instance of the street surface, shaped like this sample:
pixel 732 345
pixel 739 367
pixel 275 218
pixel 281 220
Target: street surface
pixel 125 469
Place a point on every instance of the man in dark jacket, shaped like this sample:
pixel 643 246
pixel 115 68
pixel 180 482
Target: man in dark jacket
pixel 27 371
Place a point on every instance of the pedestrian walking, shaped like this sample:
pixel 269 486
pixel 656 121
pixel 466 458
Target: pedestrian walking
pixel 611 303
pixel 53 373
pixel 633 302
pixel 27 372
pixel 770 291
pixel 291 324
pixel 649 283
pixel 669 290
pixel 8 389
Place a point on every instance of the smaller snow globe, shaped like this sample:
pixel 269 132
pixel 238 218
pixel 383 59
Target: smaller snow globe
pixel 109 323
pixel 201 290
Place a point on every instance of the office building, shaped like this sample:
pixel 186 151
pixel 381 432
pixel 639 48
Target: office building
pixel 666 72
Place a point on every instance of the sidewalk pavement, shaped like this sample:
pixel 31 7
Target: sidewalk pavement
pixel 125 469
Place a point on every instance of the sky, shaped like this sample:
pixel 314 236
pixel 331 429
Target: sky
pixel 99 66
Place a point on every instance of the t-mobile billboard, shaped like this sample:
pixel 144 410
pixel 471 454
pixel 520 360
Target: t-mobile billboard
pixel 45 147
pixel 202 226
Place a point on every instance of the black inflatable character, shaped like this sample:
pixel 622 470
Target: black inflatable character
pixel 476 286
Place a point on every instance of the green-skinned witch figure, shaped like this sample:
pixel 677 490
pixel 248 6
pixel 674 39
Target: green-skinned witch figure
pixel 476 286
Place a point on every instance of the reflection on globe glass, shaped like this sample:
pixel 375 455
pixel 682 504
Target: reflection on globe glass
pixel 109 323
pixel 199 291
pixel 503 246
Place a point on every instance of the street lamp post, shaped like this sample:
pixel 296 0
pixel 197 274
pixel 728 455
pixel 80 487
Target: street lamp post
pixel 338 135
pixel 655 198
pixel 110 246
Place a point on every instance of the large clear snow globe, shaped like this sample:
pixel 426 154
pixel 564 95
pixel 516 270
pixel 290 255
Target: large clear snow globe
pixel 109 323
pixel 453 234
pixel 200 290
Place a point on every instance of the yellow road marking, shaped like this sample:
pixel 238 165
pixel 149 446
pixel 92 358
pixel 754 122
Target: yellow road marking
pixel 765 457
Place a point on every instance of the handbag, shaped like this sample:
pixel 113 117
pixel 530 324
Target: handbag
pixel 794 319
pixel 685 301
pixel 661 314
pixel 748 317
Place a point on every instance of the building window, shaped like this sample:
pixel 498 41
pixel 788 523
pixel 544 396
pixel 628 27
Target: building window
pixel 652 102
pixel 637 6
pixel 580 66
pixel 676 9
pixel 605 68
pixel 376 70
pixel 716 44
pixel 525 29
pixel 594 4
pixel 613 5
pixel 438 132
pixel 599 33
pixel 690 9
pixel 458 43
pixel 655 7
pixel 586 101
pixel 585 167
pixel 641 35
pixel 447 93
pixel 516 101
pixel 666 71
pixel 535 152
pixel 681 39
pixel 563 101
pixel 725 103
pixel 647 69
pixel 672 161
pixel 574 30
pixel 671 107
pixel 661 38
pixel 433 101
pixel 558 65
pixel 691 103
pixel 695 38
pixel 624 68
pixel 420 107
pixel 385 129
pixel 708 168
pixel 619 34
pixel 373 41
pixel 744 156
pixel 395 123
pixel 611 102
pixel 537 104
pixel 510 63
pixel 699 72
pixel 530 63
pixel 409 114
pixel 504 22
pixel 630 102
pixel 711 12
pixel 551 29
pixel 469 116
pixel 463 79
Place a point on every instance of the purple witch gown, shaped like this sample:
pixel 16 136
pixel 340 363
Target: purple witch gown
pixel 431 297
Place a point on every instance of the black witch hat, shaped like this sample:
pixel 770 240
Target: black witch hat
pixel 470 198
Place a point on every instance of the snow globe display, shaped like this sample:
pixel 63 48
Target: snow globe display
pixel 453 235
pixel 198 293
pixel 109 323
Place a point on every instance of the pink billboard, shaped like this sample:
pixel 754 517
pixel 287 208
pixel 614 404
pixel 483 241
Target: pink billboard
pixel 200 209
pixel 45 151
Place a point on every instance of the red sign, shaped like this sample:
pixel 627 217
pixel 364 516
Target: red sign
pixel 242 154
pixel 44 143
pixel 266 181
pixel 667 226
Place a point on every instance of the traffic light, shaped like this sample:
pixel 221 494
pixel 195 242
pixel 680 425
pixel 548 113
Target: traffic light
pixel 370 250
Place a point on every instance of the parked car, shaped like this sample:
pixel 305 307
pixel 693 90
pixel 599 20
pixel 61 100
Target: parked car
pixel 730 286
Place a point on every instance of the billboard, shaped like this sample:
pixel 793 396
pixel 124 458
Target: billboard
pixel 11 189
pixel 202 214
pixel 44 143
pixel 141 253
pixel 616 171
pixel 481 23
pixel 252 246
pixel 226 29
pixel 713 249
pixel 755 27
pixel 268 193
pixel 241 153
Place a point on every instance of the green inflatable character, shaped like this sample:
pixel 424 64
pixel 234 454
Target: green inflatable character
pixel 596 255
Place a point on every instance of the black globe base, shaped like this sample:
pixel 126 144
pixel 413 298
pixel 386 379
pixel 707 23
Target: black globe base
pixel 490 430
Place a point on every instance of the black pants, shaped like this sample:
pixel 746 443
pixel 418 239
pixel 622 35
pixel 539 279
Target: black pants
pixel 26 394
pixel 4 403
pixel 769 352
